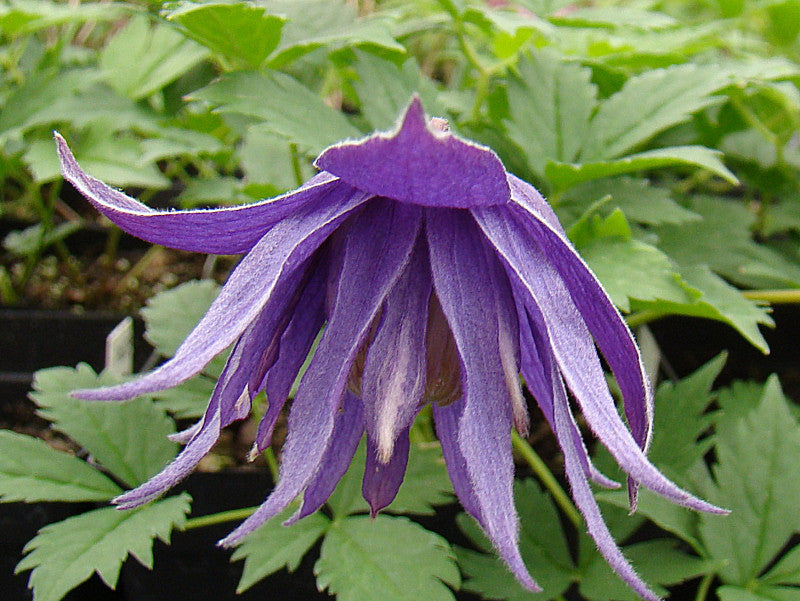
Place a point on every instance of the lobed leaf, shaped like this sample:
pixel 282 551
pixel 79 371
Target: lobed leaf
pixel 32 471
pixel 359 561
pixel 128 438
pixel 66 553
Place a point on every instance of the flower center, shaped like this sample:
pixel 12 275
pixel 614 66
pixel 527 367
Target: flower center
pixel 443 368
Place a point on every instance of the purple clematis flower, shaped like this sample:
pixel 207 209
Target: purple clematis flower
pixel 439 278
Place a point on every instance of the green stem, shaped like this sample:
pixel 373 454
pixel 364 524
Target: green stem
pixel 219 518
pixel 547 478
pixel 774 297
pixel 298 171
pixel 272 463
pixel 642 317
pixel 705 586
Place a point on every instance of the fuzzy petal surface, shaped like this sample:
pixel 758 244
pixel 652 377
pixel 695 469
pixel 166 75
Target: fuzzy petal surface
pixel 466 278
pixel 254 283
pixel 575 353
pixel 368 272
pixel 417 164
pixel 394 371
pixel 222 231
pixel 382 479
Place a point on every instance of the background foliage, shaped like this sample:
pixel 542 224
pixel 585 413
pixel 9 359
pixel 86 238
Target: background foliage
pixel 663 133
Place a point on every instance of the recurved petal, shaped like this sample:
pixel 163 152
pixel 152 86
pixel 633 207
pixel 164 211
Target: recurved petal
pixel 382 479
pixel 605 323
pixel 370 267
pixel 416 163
pixel 255 282
pixel 585 501
pixel 228 402
pixel 536 369
pixel 393 380
pixel 466 278
pixel 347 430
pixel 566 334
pixel 223 231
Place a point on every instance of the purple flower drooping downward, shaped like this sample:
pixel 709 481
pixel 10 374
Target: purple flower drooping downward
pixel 438 278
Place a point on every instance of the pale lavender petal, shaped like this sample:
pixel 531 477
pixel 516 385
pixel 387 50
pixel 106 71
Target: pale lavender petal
pixel 347 430
pixel 393 379
pixel 467 278
pixel 419 164
pixel 295 344
pixel 186 435
pixel 370 268
pixel 382 479
pixel 526 195
pixel 221 231
pixel 574 352
pixel 253 283
pixel 585 501
pixel 447 419
pixel 536 369
pixel 605 323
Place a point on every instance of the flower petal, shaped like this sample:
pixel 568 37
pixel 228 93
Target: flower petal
pixel 536 371
pixel 347 430
pixel 393 379
pixel 417 164
pixel 585 501
pixel 471 286
pixel 255 282
pixel 295 344
pixel 574 351
pixel 605 323
pixel 370 267
pixel 382 479
pixel 230 400
pixel 222 231
pixel 447 419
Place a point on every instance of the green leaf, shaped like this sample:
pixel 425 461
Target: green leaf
pixel 66 553
pixel 171 315
pixel 614 17
pixel 241 31
pixel 128 438
pixel 757 479
pixel 32 471
pixel 177 141
pixel 631 269
pixel 718 300
pixel 761 593
pixel 284 105
pixel 659 562
pixel 384 89
pixel 330 23
pixel 638 198
pixel 275 546
pixel 564 175
pixel 550 105
pixel 786 571
pixel 648 104
pixel 542 544
pixel 359 561
pixel 143 58
pixel 723 241
pixel 31 240
pixel 27 16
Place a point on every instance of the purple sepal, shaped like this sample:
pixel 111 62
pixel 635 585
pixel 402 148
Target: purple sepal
pixel 222 231
pixel 382 479
pixel 416 163
pixel 347 431
pixel 368 272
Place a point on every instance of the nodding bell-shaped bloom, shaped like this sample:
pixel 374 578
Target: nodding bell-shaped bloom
pixel 439 278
